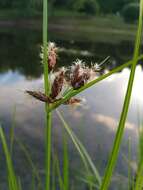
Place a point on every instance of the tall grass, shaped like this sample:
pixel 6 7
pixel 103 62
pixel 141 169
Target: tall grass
pixel 34 169
pixel 120 131
pixel 65 165
pixel 117 142
pixel 64 183
pixel 13 182
pixel 89 165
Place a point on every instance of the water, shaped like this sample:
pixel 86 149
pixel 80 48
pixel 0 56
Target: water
pixel 95 122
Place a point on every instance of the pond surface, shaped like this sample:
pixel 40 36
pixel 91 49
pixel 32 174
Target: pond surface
pixel 95 121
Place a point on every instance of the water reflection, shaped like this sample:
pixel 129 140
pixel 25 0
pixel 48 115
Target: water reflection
pixel 97 119
pixel 95 122
pixel 20 52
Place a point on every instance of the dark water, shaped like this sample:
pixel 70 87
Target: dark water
pixel 95 122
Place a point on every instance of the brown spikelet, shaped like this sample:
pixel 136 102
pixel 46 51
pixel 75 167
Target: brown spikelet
pixel 73 101
pixel 75 75
pixel 80 80
pixel 52 61
pixel 57 85
pixel 76 71
pixel 52 57
pixel 86 75
pixel 40 96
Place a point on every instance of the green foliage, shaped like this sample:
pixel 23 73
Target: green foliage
pixel 112 6
pixel 20 4
pixel 23 6
pixel 130 12
pixel 90 7
pixel 60 3
pixel 37 4
pixel 5 3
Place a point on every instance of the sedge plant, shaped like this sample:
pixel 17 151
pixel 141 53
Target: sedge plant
pixel 121 126
pixel 79 80
pixel 47 91
pixel 13 182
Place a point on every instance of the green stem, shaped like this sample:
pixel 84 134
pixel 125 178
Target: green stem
pixel 129 168
pixel 73 93
pixel 48 150
pixel 120 131
pixel 47 92
pixel 45 38
pixel 139 179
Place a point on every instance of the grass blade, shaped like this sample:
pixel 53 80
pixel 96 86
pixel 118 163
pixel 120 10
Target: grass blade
pixel 19 184
pixel 120 131
pixel 54 175
pixel 74 141
pixel 139 176
pixel 13 183
pixel 80 148
pixel 139 179
pixel 61 183
pixel 129 168
pixel 65 165
pixel 30 161
pixel 12 130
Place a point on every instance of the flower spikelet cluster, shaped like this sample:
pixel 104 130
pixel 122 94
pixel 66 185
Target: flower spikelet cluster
pixel 73 77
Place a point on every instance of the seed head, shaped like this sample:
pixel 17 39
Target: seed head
pixel 57 84
pixel 73 77
pixel 73 101
pixel 79 74
pixel 52 56
pixel 39 96
pixel 95 67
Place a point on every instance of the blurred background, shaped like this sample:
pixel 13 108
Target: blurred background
pixel 127 9
pixel 89 30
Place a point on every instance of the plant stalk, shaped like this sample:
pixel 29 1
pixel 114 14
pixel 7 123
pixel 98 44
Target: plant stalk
pixel 48 150
pixel 117 142
pixel 139 179
pixel 48 119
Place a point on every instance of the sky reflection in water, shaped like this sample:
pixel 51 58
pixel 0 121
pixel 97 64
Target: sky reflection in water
pixel 95 122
